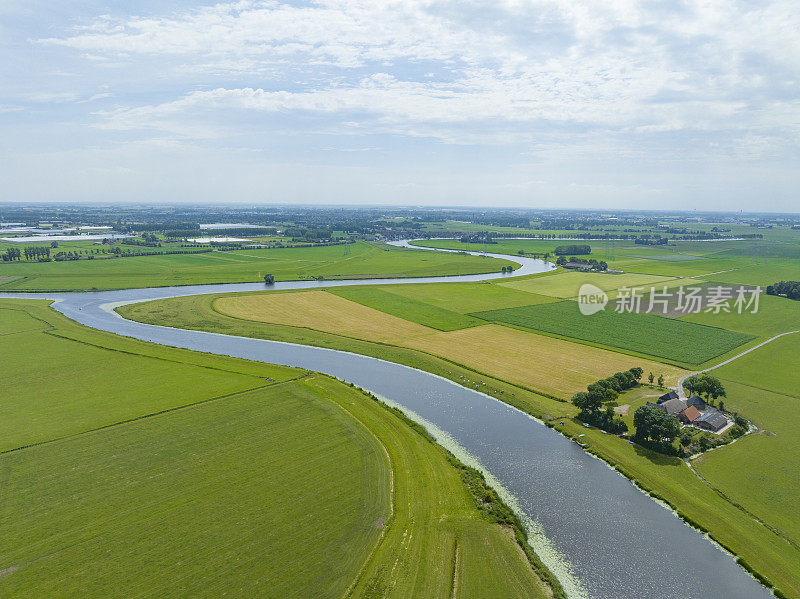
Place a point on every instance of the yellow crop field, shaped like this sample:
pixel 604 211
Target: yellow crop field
pixel 546 364
pixel 322 311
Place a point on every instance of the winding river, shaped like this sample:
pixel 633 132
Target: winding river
pixel 601 536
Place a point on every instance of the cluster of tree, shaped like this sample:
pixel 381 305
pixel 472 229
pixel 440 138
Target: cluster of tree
pixel 507 269
pixel 650 378
pixel 269 279
pixel 655 429
pixel 37 253
pixel 582 250
pixel 142 242
pixel 590 402
pixel 650 240
pixel 11 254
pixel 64 256
pixel 706 385
pixel 598 265
pixel 484 237
pixel 790 289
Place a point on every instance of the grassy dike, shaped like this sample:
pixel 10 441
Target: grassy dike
pixel 139 466
pixel 668 479
pixel 487 500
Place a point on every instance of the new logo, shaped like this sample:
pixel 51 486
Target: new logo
pixel 591 299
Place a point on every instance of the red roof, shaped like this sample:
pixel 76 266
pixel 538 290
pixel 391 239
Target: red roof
pixel 691 413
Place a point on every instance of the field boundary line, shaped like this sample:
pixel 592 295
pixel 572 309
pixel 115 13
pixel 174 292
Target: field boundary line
pixel 149 415
pixel 55 333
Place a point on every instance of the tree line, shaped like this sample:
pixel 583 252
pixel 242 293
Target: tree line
pixel 563 250
pixel 599 265
pixel 790 289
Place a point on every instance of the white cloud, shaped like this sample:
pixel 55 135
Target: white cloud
pixel 625 82
pixel 555 62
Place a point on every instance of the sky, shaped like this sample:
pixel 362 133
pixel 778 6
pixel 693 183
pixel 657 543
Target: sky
pixel 540 103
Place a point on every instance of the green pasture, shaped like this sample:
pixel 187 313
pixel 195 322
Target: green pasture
pixel 160 471
pixel 269 489
pixel 666 338
pixel 339 261
pixel 761 271
pixel 774 315
pixel 54 387
pixel 774 367
pixel 759 471
pixel 468 297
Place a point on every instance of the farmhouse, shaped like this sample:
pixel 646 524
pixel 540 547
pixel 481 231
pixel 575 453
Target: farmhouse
pixel 667 397
pixel 697 402
pixel 673 407
pixel 577 266
pixel 689 415
pixel 712 420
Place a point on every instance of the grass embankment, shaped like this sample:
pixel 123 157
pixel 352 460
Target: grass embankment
pixel 206 475
pixel 731 524
pixel 359 260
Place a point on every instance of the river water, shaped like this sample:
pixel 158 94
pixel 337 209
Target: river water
pixel 601 536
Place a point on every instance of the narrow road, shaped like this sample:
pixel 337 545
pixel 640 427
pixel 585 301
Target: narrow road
pixel 681 392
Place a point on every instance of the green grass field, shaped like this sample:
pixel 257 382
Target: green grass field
pixel 775 315
pixel 774 367
pixel 468 297
pixel 206 476
pixel 353 261
pixel 647 334
pixel 759 472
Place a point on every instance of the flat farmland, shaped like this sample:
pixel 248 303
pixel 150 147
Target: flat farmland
pixel 296 486
pixel 54 388
pixel 559 367
pixel 775 366
pixel 759 471
pixel 775 315
pixel 648 334
pixel 408 308
pixel 357 260
pixel 521 357
pixel 546 364
pixel 761 271
pixel 170 505
pixel 468 297
pixel 321 311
